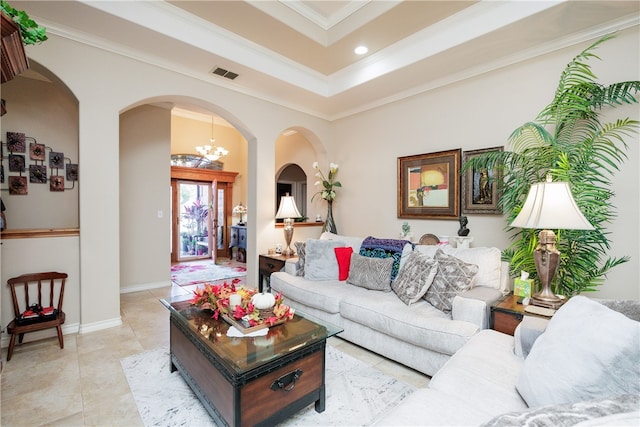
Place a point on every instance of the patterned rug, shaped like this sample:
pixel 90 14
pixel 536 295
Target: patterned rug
pixel 356 393
pixel 190 273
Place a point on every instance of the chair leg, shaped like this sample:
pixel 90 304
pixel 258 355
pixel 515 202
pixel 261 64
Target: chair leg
pixel 20 338
pixel 60 339
pixel 12 344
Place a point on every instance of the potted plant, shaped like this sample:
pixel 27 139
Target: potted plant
pixel 568 141
pixel 30 31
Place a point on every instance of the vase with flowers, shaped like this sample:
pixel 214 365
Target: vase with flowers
pixel 216 298
pixel 328 193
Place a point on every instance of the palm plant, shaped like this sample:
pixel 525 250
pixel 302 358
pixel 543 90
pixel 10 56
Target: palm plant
pixel 568 141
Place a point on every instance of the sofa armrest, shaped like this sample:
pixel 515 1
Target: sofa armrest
pixel 526 333
pixel 290 266
pixel 474 305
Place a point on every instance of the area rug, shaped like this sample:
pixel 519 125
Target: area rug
pixel 190 273
pixel 356 393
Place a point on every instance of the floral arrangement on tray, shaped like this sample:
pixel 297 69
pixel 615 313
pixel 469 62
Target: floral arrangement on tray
pixel 216 298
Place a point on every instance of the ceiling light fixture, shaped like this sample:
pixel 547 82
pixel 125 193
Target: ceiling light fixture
pixel 361 50
pixel 211 152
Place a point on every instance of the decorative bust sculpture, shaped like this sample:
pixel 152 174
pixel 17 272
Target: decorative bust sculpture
pixel 463 231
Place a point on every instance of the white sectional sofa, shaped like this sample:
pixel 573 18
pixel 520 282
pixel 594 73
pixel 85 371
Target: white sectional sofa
pixel 417 335
pixel 583 369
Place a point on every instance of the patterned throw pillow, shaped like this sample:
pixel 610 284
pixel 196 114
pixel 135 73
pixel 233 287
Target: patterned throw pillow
pixel 415 277
pixel 370 273
pixel 300 250
pixel 384 248
pixel 453 277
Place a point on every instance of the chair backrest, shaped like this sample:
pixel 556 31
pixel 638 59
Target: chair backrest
pixel 35 287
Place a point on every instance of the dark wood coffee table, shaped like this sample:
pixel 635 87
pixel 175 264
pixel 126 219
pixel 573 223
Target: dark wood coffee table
pixel 249 381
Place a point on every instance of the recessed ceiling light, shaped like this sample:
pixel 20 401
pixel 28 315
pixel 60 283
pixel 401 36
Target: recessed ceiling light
pixel 361 50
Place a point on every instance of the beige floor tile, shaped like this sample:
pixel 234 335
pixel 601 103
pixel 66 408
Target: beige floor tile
pixel 74 420
pixel 33 353
pixel 47 375
pixel 42 405
pixel 119 410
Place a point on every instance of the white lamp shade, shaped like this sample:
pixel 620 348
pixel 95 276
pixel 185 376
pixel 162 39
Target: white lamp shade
pixel 240 209
pixel 288 208
pixel 550 205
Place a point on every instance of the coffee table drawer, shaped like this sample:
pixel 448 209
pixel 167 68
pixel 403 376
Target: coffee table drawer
pixel 265 396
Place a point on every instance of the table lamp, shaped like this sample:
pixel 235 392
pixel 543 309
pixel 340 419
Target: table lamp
pixel 240 210
pixel 288 211
pixel 549 205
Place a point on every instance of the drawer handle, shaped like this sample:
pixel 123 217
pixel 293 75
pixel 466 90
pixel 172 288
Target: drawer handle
pixel 271 266
pixel 287 382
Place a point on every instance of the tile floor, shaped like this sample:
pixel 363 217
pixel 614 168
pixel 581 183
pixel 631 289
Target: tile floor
pixel 84 385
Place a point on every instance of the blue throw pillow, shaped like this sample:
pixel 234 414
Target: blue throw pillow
pixel 385 248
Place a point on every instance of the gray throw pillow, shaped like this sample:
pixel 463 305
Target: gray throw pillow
pixel 453 276
pixel 370 273
pixel 415 277
pixel 300 251
pixel 587 352
pixel 320 261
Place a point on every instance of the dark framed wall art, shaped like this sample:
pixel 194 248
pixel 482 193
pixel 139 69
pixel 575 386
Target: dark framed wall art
pixel 429 185
pixel 481 187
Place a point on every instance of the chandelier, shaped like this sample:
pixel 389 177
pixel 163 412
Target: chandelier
pixel 211 152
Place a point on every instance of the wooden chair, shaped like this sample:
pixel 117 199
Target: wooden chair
pixel 29 289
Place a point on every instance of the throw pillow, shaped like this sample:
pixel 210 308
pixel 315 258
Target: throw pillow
pixel 488 260
pixel 354 242
pixel 415 277
pixel 587 352
pixel 385 248
pixel 370 273
pixel 614 410
pixel 320 260
pixel 343 256
pixel 300 250
pixel 453 276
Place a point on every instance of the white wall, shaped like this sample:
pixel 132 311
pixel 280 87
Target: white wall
pixel 145 251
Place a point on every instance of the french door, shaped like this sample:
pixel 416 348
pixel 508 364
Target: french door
pixel 200 213
pixel 195 219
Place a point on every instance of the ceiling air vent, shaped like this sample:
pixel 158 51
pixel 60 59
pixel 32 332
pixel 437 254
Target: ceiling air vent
pixel 224 73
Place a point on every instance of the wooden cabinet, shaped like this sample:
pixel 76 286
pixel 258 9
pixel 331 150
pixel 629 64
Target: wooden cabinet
pixel 269 264
pixel 507 314
pixel 238 239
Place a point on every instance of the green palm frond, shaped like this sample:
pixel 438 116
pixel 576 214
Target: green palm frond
pixel 568 141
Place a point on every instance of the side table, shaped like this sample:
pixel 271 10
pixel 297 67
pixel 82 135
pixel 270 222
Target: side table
pixel 269 264
pixel 506 314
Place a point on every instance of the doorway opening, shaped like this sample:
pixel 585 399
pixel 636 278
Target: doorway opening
pixel 194 221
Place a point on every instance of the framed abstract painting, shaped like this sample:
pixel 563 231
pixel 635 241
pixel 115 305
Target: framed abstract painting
pixel 429 185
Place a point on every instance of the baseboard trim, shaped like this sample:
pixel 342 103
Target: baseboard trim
pixel 144 287
pixel 98 326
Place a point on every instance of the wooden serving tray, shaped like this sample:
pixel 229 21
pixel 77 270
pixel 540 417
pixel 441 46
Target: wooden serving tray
pixel 246 330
